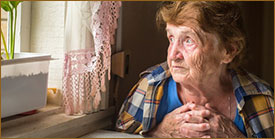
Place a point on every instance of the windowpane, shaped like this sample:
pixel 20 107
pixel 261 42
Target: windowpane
pixel 4 22
pixel 4 29
pixel 4 14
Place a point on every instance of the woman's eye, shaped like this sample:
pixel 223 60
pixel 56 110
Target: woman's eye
pixel 189 42
pixel 171 39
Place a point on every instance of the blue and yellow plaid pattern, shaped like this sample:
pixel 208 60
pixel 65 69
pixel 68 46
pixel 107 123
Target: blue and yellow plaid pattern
pixel 255 102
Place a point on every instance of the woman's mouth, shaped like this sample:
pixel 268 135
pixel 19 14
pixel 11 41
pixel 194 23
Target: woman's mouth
pixel 177 67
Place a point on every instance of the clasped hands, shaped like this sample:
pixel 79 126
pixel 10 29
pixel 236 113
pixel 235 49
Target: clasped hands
pixel 196 121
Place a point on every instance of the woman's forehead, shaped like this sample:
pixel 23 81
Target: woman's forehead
pixel 170 28
pixel 191 30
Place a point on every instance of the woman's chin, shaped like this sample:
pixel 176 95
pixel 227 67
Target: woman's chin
pixel 179 78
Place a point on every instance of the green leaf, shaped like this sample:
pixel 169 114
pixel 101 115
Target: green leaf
pixel 5 5
pixel 15 3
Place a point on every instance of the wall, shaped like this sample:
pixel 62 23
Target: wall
pixel 47 35
pixel 140 37
pixel 268 42
pixel 259 22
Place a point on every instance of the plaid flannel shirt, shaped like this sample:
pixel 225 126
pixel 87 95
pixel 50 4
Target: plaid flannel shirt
pixel 255 102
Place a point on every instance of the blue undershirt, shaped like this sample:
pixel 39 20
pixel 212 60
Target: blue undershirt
pixel 170 101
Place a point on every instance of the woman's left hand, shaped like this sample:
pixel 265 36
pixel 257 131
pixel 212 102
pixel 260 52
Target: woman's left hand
pixel 221 126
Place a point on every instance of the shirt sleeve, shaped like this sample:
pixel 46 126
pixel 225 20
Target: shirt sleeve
pixel 260 116
pixel 265 116
pixel 131 112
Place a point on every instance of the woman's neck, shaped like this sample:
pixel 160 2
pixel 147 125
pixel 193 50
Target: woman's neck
pixel 207 91
pixel 213 92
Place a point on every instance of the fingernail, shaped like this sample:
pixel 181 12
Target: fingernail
pixel 187 117
pixel 207 112
pixel 205 136
pixel 192 105
pixel 207 126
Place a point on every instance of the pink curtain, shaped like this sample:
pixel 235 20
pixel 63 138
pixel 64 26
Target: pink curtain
pixel 89 34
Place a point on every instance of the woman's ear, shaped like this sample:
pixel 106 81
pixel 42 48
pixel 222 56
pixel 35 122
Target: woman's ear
pixel 229 55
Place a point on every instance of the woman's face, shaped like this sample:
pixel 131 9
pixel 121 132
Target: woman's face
pixel 193 56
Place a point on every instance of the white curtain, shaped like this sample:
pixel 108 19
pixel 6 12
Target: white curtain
pixel 89 33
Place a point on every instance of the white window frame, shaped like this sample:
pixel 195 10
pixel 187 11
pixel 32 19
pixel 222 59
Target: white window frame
pixel 23 27
pixel 7 18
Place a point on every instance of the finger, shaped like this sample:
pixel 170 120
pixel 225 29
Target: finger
pixel 211 108
pixel 208 106
pixel 194 119
pixel 188 117
pixel 204 111
pixel 180 117
pixel 192 134
pixel 198 107
pixel 185 108
pixel 200 113
pixel 196 127
pixel 207 136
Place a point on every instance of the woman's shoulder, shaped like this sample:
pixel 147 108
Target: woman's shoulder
pixel 156 69
pixel 156 73
pixel 255 99
pixel 248 84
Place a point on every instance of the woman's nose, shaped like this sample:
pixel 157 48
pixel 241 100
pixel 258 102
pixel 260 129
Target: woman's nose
pixel 174 52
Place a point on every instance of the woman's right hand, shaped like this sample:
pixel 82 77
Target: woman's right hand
pixel 185 121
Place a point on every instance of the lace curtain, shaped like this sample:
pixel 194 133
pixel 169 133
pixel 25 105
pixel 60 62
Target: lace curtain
pixel 89 33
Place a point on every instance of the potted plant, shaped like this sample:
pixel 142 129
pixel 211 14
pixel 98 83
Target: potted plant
pixel 24 76
pixel 11 8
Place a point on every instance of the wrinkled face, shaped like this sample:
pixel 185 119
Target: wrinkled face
pixel 193 56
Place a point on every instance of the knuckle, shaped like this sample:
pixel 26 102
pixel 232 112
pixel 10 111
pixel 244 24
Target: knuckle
pixel 200 119
pixel 187 117
pixel 206 112
pixel 202 126
pixel 202 113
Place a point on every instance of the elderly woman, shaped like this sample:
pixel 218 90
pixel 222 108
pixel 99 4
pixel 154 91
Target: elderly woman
pixel 200 91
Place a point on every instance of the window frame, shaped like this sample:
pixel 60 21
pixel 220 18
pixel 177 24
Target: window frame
pixel 4 31
pixel 23 27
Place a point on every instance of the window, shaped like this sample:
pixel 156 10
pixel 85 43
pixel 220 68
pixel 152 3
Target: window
pixel 22 27
pixel 4 21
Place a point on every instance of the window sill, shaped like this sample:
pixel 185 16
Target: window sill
pixel 51 121
pixel 110 134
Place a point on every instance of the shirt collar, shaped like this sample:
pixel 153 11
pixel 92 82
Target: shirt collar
pixel 156 73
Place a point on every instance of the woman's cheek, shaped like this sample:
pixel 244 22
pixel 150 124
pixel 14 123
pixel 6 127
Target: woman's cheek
pixel 196 65
pixel 190 48
pixel 196 61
